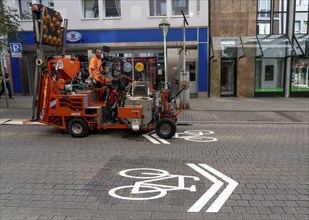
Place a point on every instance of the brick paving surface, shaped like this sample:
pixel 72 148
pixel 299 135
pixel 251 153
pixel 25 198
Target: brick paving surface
pixel 261 143
pixel 47 175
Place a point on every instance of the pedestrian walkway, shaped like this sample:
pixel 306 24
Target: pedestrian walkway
pixel 219 110
pixel 247 110
pixel 250 104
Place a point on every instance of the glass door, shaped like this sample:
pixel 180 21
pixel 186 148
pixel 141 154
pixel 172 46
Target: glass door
pixel 228 77
pixel 191 68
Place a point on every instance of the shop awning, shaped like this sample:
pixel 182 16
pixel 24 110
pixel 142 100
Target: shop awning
pixel 227 46
pixel 276 46
pixel 260 46
pixel 301 44
pixel 251 46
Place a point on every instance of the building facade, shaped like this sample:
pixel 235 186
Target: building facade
pixel 259 48
pixel 241 48
pixel 131 29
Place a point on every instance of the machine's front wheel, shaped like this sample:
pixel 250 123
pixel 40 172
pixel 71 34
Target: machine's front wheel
pixel 78 128
pixel 165 128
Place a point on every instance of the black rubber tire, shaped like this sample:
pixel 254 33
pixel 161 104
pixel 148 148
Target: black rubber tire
pixel 78 128
pixel 165 128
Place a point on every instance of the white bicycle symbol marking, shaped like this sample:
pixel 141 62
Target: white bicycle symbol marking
pixel 146 187
pixel 196 136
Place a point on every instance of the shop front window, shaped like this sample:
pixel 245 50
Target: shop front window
pixel 302 18
pixel 157 7
pixel 297 27
pixel 263 28
pixel 147 67
pixel 48 3
pixel 264 7
pixel 25 9
pixel 269 75
pixel 143 67
pixel 297 2
pixel 300 75
pixel 180 5
pixel 112 8
pixel 90 8
pixel 272 16
pixel 279 23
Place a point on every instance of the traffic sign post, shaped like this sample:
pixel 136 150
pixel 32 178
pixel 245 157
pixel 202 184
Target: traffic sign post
pixel 16 50
pixel 3 79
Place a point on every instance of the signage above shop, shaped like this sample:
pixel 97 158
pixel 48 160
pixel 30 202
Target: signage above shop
pixel 139 66
pixel 142 59
pixel 73 36
pixel 127 67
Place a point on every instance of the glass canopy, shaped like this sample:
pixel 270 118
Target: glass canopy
pixel 276 46
pixel 301 44
pixel 260 46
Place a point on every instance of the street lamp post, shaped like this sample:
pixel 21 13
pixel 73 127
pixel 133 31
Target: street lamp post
pixel 186 93
pixel 164 26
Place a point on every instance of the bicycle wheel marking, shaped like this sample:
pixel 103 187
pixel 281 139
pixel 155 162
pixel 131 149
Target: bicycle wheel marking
pixel 196 136
pixel 162 193
pixel 148 188
pixel 146 172
pixel 200 136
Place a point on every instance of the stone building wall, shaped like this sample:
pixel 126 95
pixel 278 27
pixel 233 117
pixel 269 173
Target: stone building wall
pixel 233 18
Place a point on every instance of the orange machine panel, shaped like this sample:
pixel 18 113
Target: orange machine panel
pixel 67 67
pixel 130 112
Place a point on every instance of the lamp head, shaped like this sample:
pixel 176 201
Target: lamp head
pixel 164 24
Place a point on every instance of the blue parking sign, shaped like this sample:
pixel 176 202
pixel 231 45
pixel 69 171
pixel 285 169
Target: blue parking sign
pixel 16 49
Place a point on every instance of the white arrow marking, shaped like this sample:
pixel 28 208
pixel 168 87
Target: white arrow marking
pixel 201 202
pixel 150 138
pixel 160 139
pixel 217 204
pixel 154 137
pixel 14 122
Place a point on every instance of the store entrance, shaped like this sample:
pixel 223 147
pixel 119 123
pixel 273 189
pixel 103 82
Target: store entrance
pixel 228 77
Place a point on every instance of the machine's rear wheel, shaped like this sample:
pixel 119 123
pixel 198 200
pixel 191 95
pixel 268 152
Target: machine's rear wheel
pixel 78 128
pixel 165 128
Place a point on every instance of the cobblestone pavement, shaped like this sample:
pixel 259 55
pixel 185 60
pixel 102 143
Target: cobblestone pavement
pixel 47 175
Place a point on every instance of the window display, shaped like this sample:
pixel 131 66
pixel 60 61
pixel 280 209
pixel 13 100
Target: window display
pixel 157 7
pixel 112 8
pixel 300 75
pixel 269 75
pixel 25 9
pixel 144 67
pixel 90 8
pixel 180 5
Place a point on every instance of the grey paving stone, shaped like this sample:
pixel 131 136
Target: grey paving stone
pixel 264 210
pixel 303 197
pixel 239 210
pixel 249 216
pixel 279 203
pixel 252 210
pixel 302 217
pixel 291 197
pixel 233 216
pixel 141 207
pixel 303 210
pixel 262 217
pixel 303 203
pixel 226 210
pixel 255 203
pixel 243 203
pixel 44 217
pixel 246 197
pixel 277 210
